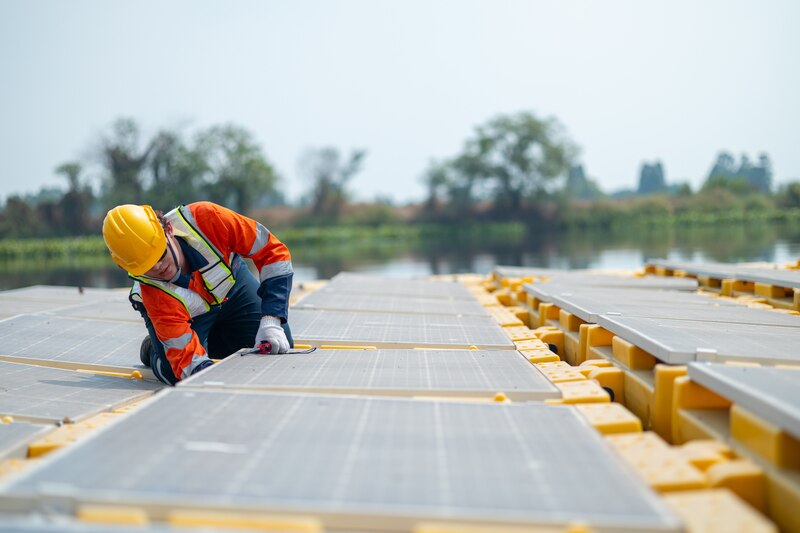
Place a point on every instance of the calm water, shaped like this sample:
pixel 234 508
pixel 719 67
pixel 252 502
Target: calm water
pixel 397 259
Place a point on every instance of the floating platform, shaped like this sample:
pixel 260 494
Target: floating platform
pixel 532 400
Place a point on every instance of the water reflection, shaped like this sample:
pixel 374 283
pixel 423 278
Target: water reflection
pixel 621 250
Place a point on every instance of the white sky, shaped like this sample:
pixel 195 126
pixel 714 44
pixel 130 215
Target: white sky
pixel 407 80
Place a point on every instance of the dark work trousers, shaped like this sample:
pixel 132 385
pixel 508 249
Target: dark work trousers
pixel 226 328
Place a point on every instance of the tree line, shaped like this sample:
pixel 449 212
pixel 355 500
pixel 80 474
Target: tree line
pixel 516 167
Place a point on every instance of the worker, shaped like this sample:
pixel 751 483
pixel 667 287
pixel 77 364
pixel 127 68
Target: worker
pixel 197 296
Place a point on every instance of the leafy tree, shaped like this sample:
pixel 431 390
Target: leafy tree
pixel 759 176
pixel 736 184
pixel 724 166
pixel 435 179
pixel 516 157
pixel 74 204
pixel 124 160
pixel 20 219
pixel 176 171
pixel 329 175
pixel 579 186
pixel 651 179
pixel 789 195
pixel 746 177
pixel 237 173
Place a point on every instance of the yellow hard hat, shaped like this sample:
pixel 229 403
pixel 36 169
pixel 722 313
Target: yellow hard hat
pixel 134 237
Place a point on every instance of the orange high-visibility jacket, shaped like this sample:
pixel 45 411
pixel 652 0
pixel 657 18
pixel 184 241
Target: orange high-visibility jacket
pixel 216 233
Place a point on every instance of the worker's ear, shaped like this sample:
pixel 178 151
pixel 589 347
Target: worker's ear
pixel 168 230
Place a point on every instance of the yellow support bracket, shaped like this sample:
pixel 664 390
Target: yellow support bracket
pixel 661 414
pixel 716 510
pixel 112 514
pixel 631 355
pixel 344 347
pixel 255 521
pixel 687 394
pixel 765 439
pixel 132 375
pixel 743 478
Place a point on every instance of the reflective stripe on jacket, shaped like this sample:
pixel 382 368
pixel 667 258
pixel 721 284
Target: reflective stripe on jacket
pixel 216 233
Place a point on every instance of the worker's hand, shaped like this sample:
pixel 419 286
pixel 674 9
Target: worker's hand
pixel 271 331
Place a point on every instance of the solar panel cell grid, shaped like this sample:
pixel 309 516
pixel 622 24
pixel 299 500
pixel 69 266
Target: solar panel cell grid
pixel 74 340
pixel 387 330
pixel 51 394
pixel 358 456
pixel 401 372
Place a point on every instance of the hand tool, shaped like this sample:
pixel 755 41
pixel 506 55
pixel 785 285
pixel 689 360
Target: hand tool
pixel 265 348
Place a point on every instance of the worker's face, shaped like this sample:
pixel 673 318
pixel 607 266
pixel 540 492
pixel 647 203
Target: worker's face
pixel 166 267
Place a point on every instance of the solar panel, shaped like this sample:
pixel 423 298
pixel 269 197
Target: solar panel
pixel 771 393
pixel 80 341
pixel 52 293
pixel 525 272
pixel 728 314
pixel 334 300
pixel 682 341
pixel 587 304
pixel 714 270
pixel 354 462
pixel 388 330
pixel 52 523
pixel 694 307
pixel 40 393
pixel 469 373
pixel 11 307
pixel 573 280
pixel 347 282
pixel 15 437
pixel 120 310
pixel 771 276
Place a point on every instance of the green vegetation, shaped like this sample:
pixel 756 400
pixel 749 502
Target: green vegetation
pixel 325 237
pixel 516 174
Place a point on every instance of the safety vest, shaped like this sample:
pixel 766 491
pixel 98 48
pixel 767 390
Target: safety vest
pixel 217 275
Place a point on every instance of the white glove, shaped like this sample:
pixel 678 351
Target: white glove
pixel 270 330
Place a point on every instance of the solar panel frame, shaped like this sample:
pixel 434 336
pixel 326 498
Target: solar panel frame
pixel 681 341
pixel 347 282
pixel 388 330
pixel 54 293
pixel 117 310
pixel 78 342
pixel 713 270
pixel 15 437
pixel 522 272
pixel 626 282
pixel 589 304
pixel 53 395
pixel 453 373
pixel 771 393
pixel 770 276
pixel 330 457
pixel 333 300
pixel 53 523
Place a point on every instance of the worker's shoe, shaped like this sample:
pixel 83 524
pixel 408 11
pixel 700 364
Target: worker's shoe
pixel 145 350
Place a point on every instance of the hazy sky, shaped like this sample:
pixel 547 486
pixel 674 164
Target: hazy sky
pixel 407 80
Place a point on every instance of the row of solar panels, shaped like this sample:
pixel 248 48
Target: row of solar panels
pixel 678 327
pixel 767 275
pixel 220 441
pixel 348 460
pixel 763 424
